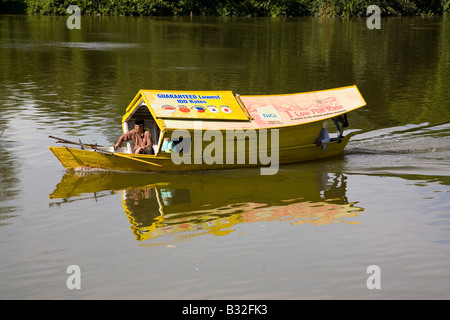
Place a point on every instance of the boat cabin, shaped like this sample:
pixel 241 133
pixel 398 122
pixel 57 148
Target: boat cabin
pixel 299 117
pixel 166 111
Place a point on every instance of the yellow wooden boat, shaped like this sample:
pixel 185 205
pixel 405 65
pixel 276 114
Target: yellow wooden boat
pixel 220 130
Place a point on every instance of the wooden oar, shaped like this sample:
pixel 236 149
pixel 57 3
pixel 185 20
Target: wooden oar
pixel 90 146
pixel 94 147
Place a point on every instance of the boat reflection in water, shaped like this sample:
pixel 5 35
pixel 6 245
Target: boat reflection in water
pixel 186 205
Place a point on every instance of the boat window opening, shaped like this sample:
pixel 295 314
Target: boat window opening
pixel 341 122
pixel 142 113
pixel 329 134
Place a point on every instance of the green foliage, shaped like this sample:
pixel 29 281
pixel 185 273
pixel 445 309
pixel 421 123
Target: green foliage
pixel 105 7
pixel 251 8
pixel 446 6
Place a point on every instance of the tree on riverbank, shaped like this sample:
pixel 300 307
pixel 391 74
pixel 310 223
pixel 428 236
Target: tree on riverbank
pixel 252 8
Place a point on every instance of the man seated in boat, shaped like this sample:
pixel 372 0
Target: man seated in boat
pixel 141 137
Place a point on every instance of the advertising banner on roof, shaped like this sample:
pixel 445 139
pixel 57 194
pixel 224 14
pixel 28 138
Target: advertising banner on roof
pixel 300 108
pixel 216 105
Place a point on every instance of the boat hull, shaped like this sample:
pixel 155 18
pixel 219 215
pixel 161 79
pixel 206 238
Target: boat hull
pixel 72 159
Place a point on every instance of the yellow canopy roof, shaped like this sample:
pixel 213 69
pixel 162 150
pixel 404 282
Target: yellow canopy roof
pixel 172 107
pixel 201 105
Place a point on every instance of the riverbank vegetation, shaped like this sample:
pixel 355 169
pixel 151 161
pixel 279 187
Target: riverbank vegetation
pixel 252 8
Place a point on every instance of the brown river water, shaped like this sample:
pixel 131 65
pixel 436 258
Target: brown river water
pixel 309 232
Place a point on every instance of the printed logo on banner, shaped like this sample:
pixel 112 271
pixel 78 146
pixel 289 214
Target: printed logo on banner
pixel 213 109
pixel 184 109
pixel 225 109
pixel 199 109
pixel 330 99
pixel 268 113
pixel 169 108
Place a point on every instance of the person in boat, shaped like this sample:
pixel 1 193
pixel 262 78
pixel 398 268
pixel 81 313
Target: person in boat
pixel 323 138
pixel 141 137
pixel 167 145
